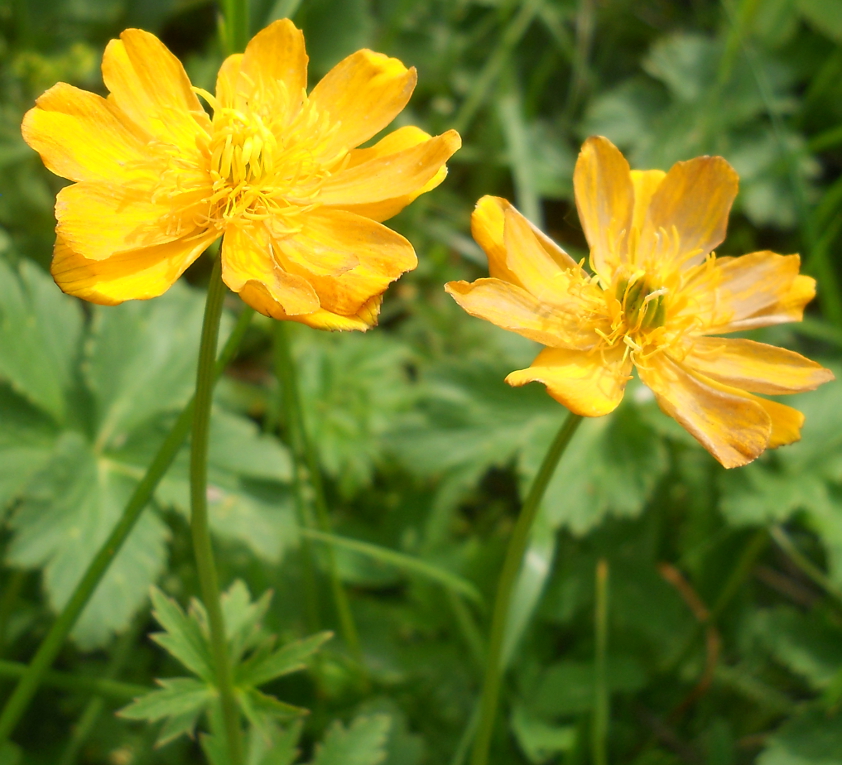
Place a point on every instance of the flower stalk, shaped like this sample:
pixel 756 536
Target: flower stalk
pixel 199 526
pixel 502 604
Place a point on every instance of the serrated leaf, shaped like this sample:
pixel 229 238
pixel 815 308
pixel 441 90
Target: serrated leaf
pixel 243 618
pixel 71 508
pixel 39 337
pixel 274 746
pixel 290 658
pixel 811 738
pixel 177 697
pixel 260 709
pixel 141 360
pixel 363 743
pixel 27 441
pixel 183 637
pixel 178 725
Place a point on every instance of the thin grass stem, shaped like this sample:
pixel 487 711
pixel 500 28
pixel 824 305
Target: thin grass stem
pixel 599 729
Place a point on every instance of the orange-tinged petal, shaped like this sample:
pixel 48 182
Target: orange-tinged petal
pixel 364 319
pixel 381 256
pixel 391 180
pixel 488 229
pixel 605 201
pixel 83 137
pixel 363 94
pixel 695 197
pixel 97 220
pixel 755 290
pixel 540 274
pixel 513 308
pixel 645 184
pixel 134 275
pixel 755 367
pixel 733 426
pixel 786 422
pixel 149 84
pixel 274 66
pixel 587 383
pixel 250 268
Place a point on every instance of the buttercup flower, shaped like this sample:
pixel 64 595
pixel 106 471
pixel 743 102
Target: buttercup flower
pixel 274 170
pixel 657 301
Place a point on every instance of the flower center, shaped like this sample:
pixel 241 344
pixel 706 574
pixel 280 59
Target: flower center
pixel 243 150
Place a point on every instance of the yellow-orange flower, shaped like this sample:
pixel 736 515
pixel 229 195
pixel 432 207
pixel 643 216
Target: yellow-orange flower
pixel 657 301
pixel 274 170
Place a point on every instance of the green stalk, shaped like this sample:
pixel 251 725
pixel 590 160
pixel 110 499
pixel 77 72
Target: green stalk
pixel 199 525
pixel 18 702
pixel 508 577
pixel 599 730
pixel 307 460
pixel 79 683
pixel 234 26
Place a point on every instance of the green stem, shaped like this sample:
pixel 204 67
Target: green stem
pixel 199 525
pixel 235 26
pixel 511 567
pixel 599 731
pixel 68 682
pixel 307 460
pixel 18 702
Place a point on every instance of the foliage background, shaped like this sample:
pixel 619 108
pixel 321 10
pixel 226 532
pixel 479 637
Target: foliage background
pixel 725 617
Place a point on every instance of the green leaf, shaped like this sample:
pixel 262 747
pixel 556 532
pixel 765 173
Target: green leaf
pixel 274 746
pixel 539 739
pixel 183 637
pixel 825 16
pixel 141 360
pixel 260 709
pixel 808 644
pixel 811 738
pixel 27 441
pixel 62 521
pixel 243 618
pixel 40 331
pixel 180 699
pixel 287 659
pixel 362 744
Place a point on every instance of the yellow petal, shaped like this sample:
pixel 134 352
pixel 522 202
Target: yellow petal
pixel 786 423
pixel 488 229
pixel 755 367
pixel 733 426
pixel 379 256
pixel 274 67
pixel 250 269
pixel 363 94
pixel 754 290
pixel 83 137
pixel 228 81
pixel 97 220
pixel 135 275
pixel 695 197
pixel 645 184
pixel 587 383
pixel 364 319
pixel 513 308
pixel 605 200
pixel 149 84
pixel 540 274
pixel 386 182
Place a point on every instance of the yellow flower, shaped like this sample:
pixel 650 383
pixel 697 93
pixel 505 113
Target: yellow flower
pixel 657 301
pixel 274 170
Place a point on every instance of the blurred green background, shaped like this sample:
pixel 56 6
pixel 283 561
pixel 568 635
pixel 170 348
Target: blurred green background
pixel 725 604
